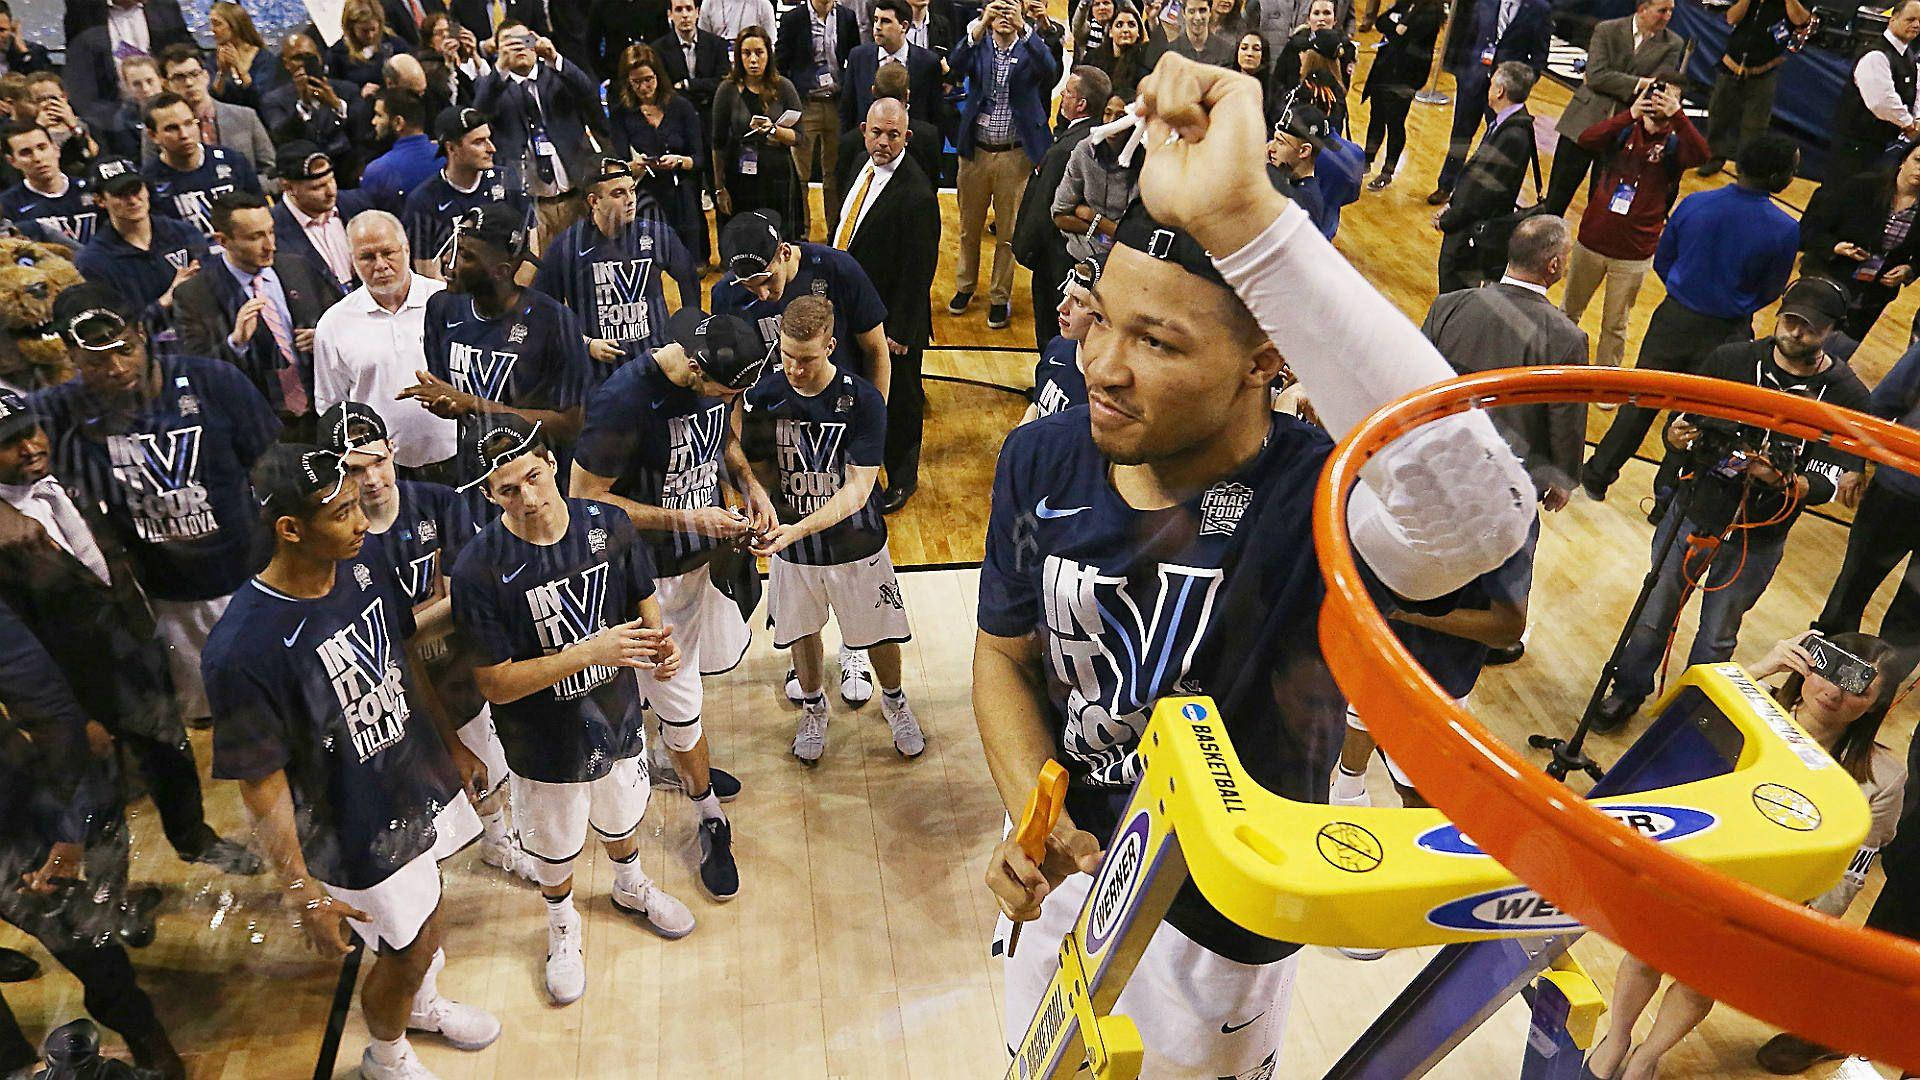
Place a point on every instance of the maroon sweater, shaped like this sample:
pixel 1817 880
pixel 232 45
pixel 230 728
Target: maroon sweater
pixel 1644 163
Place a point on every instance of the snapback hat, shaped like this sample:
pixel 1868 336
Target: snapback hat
pixel 750 243
pixel 495 224
pixel 349 425
pixel 289 475
pixel 729 349
pixel 500 438
pixel 1304 120
pixel 15 418
pixel 92 316
pixel 1138 230
pixel 1818 301
pixel 454 122
pixel 302 160
pixel 116 176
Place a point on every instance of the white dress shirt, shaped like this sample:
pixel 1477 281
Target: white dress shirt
pixel 1874 76
pixel 329 236
pixel 48 503
pixel 728 17
pixel 127 30
pixel 363 352
pixel 1509 279
pixel 881 174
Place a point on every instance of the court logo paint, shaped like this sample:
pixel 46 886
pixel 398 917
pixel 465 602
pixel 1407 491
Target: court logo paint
pixel 1119 881
pixel 1657 822
pixel 1786 807
pixel 1514 909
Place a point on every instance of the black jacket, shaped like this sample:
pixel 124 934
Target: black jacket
pixel 1037 242
pixel 400 18
pixel 926 96
pixel 923 146
pixel 90 75
pixel 204 307
pixel 1855 211
pixel 570 104
pixel 793 53
pixel 898 244
pixel 616 24
pixel 710 68
pixel 1490 184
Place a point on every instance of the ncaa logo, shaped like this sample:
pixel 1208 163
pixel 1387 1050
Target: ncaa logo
pixel 1120 877
pixel 1193 713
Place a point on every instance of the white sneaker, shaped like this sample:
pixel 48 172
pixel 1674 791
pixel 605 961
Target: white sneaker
pixel 465 1027
pixel 1347 789
pixel 810 738
pixel 566 968
pixel 1361 954
pixel 907 737
pixel 856 677
pixel 508 855
pixel 407 1068
pixel 794 693
pixel 661 913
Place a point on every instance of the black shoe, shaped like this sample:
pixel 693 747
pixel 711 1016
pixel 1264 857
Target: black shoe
pixel 998 316
pixel 894 498
pixel 1439 197
pixel 226 856
pixel 1784 1055
pixel 1380 182
pixel 725 784
pixel 718 875
pixel 1591 483
pixel 1513 652
pixel 1713 166
pixel 958 305
pixel 1614 712
pixel 17 966
pixel 136 915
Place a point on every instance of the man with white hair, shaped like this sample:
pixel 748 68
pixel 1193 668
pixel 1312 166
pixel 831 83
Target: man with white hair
pixel 368 346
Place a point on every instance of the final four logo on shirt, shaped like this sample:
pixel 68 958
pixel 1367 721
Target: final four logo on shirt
pixel 819 287
pixel 843 403
pixel 188 405
pixel 499 192
pixel 1222 506
pixel 223 172
pixel 596 540
pixel 427 530
pixel 516 333
pixel 362 575
pixel 646 242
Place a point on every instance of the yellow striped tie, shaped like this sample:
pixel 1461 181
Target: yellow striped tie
pixel 845 236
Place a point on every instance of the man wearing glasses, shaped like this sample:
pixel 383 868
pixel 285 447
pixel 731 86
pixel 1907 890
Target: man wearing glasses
pixel 236 127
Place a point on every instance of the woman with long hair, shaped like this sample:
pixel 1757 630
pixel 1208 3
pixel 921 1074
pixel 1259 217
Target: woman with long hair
pixel 1320 83
pixel 1321 32
pixel 1846 724
pixel 1126 56
pixel 660 131
pixel 1860 232
pixel 1250 58
pixel 459 53
pixel 244 68
pixel 1229 18
pixel 752 151
pixel 1408 31
pixel 364 47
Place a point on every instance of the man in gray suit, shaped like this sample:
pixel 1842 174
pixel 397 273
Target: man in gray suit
pixel 1511 323
pixel 1621 60
pixel 235 127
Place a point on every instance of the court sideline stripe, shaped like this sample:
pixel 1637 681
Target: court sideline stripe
pixel 337 1015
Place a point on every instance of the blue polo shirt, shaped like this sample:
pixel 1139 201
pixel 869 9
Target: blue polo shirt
pixel 1728 252
pixel 391 177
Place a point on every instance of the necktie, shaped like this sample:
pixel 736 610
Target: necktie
pixel 76 539
pixel 847 221
pixel 498 11
pixel 419 13
pixel 331 247
pixel 1507 10
pixel 293 395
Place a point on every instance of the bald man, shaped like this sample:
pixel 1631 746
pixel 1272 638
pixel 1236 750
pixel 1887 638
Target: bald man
pixel 890 224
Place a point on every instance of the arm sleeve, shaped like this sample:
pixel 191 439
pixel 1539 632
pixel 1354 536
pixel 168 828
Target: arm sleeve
pixel 1599 138
pixel 1440 506
pixel 1873 77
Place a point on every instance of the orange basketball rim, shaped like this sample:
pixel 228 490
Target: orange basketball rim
pixel 1841 985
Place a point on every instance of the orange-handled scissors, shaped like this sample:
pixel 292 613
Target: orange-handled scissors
pixel 1037 822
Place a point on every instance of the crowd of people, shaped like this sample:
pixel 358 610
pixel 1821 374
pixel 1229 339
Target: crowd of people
pixel 380 451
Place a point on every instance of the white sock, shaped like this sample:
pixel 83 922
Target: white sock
pixel 708 804
pixel 430 985
pixel 1348 789
pixel 387 1052
pixel 627 876
pixel 493 827
pixel 561 910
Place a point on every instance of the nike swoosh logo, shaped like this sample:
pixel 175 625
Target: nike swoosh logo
pixel 1049 513
pixel 1228 1029
pixel 454 325
pixel 507 579
pixel 289 639
pixel 656 406
pixel 585 251
pixel 444 205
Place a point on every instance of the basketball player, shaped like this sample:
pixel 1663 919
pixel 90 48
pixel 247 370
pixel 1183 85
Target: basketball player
pixel 417 529
pixel 557 597
pixel 1159 541
pixel 830 430
pixel 1058 383
pixel 658 443
pixel 317 701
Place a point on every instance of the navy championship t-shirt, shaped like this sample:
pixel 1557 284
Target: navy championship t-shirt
pixel 426 536
pixel 431 209
pixel 174 475
pixel 661 444
pixel 613 282
pixel 824 271
pixel 518 601
pixel 531 357
pixel 321 689
pixel 1058 383
pixel 1218 595
pixel 60 219
pixel 816 440
pixel 189 195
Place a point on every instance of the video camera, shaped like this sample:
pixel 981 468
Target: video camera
pixel 1724 448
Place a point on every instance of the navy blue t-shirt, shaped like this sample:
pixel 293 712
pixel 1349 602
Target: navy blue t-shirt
pixel 1456 662
pixel 1219 595
pixel 816 440
pixel 518 601
pixel 613 282
pixel 824 271
pixel 532 357
pixel 142 275
pixel 321 689
pixel 433 523
pixel 663 445
pixel 189 195
pixel 174 475
pixel 62 219
pixel 1058 383
pixel 431 209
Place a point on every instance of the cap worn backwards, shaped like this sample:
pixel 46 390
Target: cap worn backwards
pixel 1138 231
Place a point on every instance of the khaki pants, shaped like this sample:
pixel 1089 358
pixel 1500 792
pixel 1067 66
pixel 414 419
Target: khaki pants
pixel 820 123
pixel 556 216
pixel 1585 271
pixel 999 177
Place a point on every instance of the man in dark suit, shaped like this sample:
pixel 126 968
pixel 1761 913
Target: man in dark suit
pixel 18 56
pixel 310 107
pixel 696 60
pixel 890 43
pixel 310 220
pixel 1037 242
pixel 548 127
pixel 1622 57
pixel 1490 184
pixel 478 16
pixel 91 75
pixel 814 41
pixel 924 141
pixel 256 306
pixel 65 574
pixel 403 17
pixel 891 228
pixel 1486 34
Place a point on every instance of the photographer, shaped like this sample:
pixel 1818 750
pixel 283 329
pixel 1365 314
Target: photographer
pixel 1738 493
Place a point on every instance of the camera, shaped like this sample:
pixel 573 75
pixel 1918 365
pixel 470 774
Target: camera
pixel 1838 666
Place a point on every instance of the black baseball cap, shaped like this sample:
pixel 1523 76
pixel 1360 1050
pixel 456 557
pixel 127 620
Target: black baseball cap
pixel 502 437
pixel 302 160
pixel 729 349
pixel 610 168
pixel 1326 42
pixel 15 418
pixel 1085 272
pixel 1304 120
pixel 92 316
pixel 289 475
pixel 454 122
pixel 750 243
pixel 495 224
pixel 1139 231
pixel 1818 301
pixel 116 176
pixel 350 425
